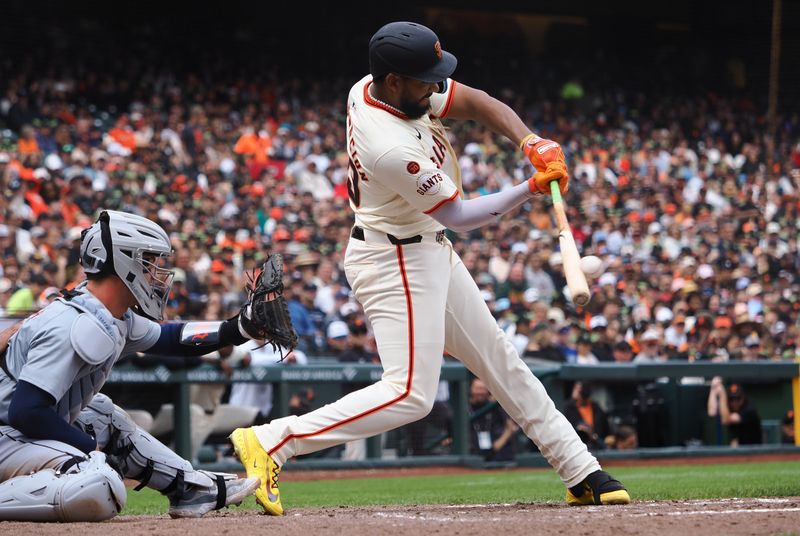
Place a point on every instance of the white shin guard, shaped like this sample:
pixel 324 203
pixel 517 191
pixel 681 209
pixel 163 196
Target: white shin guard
pixel 90 491
pixel 140 456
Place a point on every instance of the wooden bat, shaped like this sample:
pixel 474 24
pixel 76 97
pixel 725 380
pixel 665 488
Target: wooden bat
pixel 571 259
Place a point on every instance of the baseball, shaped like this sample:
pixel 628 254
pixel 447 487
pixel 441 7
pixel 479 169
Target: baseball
pixel 592 266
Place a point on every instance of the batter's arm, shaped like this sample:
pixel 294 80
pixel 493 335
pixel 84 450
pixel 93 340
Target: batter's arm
pixel 477 105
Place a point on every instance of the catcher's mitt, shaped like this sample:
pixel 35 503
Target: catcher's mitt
pixel 265 316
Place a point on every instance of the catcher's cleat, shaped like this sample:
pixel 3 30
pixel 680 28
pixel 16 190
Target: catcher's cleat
pixel 598 488
pixel 198 501
pixel 258 463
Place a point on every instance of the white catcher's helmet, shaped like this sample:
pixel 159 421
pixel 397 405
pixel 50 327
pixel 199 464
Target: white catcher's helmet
pixel 139 248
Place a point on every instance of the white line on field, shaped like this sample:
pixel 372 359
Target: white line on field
pixel 717 512
pixel 442 519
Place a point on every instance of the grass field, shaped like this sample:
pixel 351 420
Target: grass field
pixel 771 479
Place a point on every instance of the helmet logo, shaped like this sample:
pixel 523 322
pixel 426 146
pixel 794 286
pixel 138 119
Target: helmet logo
pixel 437 47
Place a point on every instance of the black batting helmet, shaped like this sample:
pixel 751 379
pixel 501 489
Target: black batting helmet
pixel 411 50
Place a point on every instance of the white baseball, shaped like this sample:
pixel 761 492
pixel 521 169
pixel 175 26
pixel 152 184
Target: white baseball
pixel 592 266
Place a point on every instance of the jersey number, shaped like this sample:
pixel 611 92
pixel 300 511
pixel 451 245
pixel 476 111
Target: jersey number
pixel 353 190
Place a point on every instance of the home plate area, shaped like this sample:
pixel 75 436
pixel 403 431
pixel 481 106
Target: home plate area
pixel 687 518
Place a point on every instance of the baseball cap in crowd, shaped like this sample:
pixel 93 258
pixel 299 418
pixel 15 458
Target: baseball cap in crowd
pixel 623 346
pixel 46 295
pixel 411 50
pixel 531 295
pixel 5 285
pixel 348 309
pixel 556 315
pixel 705 271
pixel 598 322
pixel 663 315
pixel 338 330
pixel 3 230
pixel 502 304
pixel 650 335
pixel 585 338
pixel 773 227
pixel 752 340
pixel 281 234
pixel 777 328
pixel 723 322
pixel 180 275
pixel 607 279
pixel 342 294
pixel 742 283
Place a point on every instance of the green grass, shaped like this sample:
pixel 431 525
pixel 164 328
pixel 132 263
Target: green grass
pixel 772 479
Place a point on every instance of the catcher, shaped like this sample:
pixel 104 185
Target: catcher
pixel 65 448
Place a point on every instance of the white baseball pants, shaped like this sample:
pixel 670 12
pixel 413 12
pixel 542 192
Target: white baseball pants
pixel 421 300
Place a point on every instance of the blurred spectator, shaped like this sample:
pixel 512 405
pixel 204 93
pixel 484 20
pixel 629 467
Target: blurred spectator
pixel 623 439
pixel 736 412
pixel 492 430
pixel 259 395
pixel 787 428
pixel 541 347
pixel 586 416
pixel 601 344
pixel 623 353
pixel 584 355
pixel 652 349
pixel 24 300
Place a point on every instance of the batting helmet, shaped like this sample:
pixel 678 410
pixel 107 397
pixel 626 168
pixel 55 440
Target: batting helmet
pixel 411 50
pixel 130 247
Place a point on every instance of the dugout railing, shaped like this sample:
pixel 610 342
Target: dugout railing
pixel 773 385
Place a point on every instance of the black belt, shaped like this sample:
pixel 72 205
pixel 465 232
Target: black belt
pixel 358 234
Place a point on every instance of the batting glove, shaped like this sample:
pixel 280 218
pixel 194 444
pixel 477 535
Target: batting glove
pixel 554 171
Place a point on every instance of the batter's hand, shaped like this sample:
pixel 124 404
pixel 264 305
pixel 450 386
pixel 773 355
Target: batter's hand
pixel 554 171
pixel 541 151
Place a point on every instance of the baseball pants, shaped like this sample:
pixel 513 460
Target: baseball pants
pixel 421 300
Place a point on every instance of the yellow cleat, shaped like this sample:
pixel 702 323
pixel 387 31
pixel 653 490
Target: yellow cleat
pixel 258 463
pixel 598 488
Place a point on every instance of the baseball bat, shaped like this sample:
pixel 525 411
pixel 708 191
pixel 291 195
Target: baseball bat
pixel 570 258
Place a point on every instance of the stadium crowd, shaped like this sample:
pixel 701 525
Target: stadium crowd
pixel 690 204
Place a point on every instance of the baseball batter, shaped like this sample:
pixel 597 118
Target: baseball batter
pixel 405 189
pixel 64 447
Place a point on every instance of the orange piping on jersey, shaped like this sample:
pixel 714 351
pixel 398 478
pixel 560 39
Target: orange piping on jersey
pixel 440 203
pixel 410 310
pixel 376 104
pixel 449 100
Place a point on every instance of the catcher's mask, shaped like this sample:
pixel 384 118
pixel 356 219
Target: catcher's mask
pixel 136 250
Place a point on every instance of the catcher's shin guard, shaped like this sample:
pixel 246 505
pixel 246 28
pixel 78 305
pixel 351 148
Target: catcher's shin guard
pixel 139 455
pixel 142 457
pixel 89 490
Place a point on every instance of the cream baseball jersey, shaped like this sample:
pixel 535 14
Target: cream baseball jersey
pixel 401 169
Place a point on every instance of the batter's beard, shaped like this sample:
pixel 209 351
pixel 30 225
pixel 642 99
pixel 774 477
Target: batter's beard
pixel 412 108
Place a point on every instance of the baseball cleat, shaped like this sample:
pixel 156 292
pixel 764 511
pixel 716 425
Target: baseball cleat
pixel 258 463
pixel 598 488
pixel 198 501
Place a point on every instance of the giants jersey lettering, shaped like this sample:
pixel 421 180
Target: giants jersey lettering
pixel 401 169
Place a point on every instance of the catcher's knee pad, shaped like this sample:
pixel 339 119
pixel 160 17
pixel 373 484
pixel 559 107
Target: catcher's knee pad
pixel 139 455
pixel 90 490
